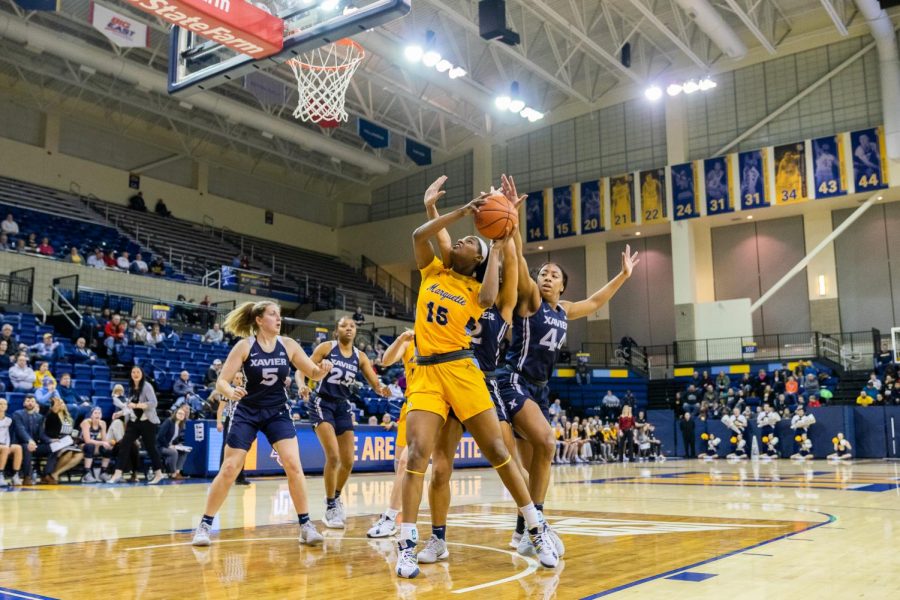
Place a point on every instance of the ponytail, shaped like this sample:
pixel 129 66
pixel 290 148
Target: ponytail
pixel 242 320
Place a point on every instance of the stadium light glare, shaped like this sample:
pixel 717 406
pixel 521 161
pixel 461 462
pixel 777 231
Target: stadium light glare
pixel 414 53
pixel 653 93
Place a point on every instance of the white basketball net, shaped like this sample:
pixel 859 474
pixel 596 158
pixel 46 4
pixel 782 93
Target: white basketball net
pixel 323 75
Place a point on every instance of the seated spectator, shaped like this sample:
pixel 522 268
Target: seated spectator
pixel 811 384
pixel 28 432
pixel 96 260
pixel 358 316
pixel 156 338
pixel 610 406
pixel 185 394
pixel 74 257
pixel 140 335
pixel 82 353
pixel 874 382
pixel 245 262
pixel 21 248
pixel 387 423
pixel 161 209
pixel 4 242
pixel 582 371
pixel 157 267
pixel 45 394
pixel 123 262
pixel 114 436
pixel 110 260
pixel 170 442
pixel 864 399
pixel 114 339
pixel 791 388
pixel 212 374
pixel 723 382
pixel 373 420
pixel 78 405
pixel 8 448
pixel 93 435
pixel 214 335
pixel 21 375
pixel 709 394
pixel 31 245
pixel 6 359
pixel 168 331
pixel 47 349
pixel 9 225
pixel 138 266
pixel 45 248
pixel 137 203
pixel 41 374
pixel 814 402
pixel 62 452
pixel 7 335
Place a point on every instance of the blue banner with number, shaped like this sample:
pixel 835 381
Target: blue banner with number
pixel 563 215
pixel 591 207
pixel 752 167
pixel 684 192
pixel 536 217
pixel 717 174
pixel 828 167
pixel 869 162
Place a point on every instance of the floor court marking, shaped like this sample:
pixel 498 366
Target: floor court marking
pixel 8 593
pixel 532 564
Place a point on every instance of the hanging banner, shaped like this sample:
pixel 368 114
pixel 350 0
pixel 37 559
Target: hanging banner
pixel 622 201
pixel 790 174
pixel 717 173
pixel 869 159
pixel 653 196
pixel 374 135
pixel 563 213
pixel 684 192
pixel 592 207
pixel 121 30
pixel 829 178
pixel 752 166
pixel 52 5
pixel 536 217
pixel 418 153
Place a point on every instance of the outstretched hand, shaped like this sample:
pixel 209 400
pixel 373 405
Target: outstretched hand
pixel 508 187
pixel 475 205
pixel 434 192
pixel 629 260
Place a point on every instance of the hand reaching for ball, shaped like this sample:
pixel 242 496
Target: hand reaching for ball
pixel 434 192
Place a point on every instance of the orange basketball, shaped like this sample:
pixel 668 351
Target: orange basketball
pixel 496 217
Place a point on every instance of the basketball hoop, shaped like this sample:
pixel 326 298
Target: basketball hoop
pixel 323 75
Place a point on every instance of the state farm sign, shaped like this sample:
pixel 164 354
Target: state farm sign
pixel 233 23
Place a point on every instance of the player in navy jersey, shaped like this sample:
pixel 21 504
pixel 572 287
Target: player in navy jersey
pixel 266 359
pixel 539 328
pixel 330 411
pixel 487 333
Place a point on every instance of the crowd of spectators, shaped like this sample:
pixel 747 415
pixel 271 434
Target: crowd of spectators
pixel 622 438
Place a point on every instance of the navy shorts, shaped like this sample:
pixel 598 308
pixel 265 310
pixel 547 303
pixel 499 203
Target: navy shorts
pixel 323 409
pixel 494 390
pixel 515 391
pixel 275 423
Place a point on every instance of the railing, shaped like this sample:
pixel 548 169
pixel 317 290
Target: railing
pixel 397 290
pixel 17 288
pixel 59 301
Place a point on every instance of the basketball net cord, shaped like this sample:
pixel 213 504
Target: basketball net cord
pixel 323 75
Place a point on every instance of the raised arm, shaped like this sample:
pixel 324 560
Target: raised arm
pixel 423 234
pixel 583 308
pixel 432 195
pixel 529 297
pixel 508 294
pixel 304 363
pixel 397 348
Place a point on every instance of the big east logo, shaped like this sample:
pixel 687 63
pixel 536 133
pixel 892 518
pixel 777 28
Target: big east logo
pixel 120 27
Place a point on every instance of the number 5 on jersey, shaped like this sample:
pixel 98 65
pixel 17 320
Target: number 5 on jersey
pixel 438 316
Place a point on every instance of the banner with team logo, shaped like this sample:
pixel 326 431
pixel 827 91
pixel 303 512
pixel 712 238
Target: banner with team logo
pixel 869 159
pixel 717 177
pixel 592 207
pixel 753 179
pixel 653 196
pixel 121 30
pixel 621 195
pixel 790 174
pixel 684 192
pixel 536 217
pixel 829 176
pixel 563 212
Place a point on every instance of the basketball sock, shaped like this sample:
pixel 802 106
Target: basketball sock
pixel 529 512
pixel 439 531
pixel 207 519
pixel 408 532
pixel 540 507
pixel 520 524
pixel 331 502
pixel 303 517
pixel 337 494
pixel 391 514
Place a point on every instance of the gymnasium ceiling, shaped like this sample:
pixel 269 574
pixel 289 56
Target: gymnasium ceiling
pixel 567 64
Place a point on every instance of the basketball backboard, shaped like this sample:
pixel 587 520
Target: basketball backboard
pixel 198 63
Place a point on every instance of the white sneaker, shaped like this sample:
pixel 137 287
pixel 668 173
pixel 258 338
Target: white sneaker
pixel 407 564
pixel 332 518
pixel 157 477
pixel 88 478
pixel 116 478
pixel 525 547
pixel 383 527
pixel 514 542
pixel 105 477
pixel 201 535
pixel 542 544
pixel 435 550
pixel 3 481
pixel 554 537
pixel 17 479
pixel 340 507
pixel 309 535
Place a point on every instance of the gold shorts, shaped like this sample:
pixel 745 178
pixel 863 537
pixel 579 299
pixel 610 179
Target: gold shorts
pixel 458 385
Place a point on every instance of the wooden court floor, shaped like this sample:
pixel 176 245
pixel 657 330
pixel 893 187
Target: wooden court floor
pixel 681 529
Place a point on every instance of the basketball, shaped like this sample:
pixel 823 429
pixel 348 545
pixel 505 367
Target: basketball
pixel 496 218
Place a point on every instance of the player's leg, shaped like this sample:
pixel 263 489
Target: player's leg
pixel 439 490
pixel 530 422
pixel 329 442
pixel 289 453
pixel 386 525
pixel 343 428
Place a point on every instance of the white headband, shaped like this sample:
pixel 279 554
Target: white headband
pixel 484 248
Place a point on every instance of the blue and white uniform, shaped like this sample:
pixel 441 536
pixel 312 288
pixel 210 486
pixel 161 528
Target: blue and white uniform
pixel 330 403
pixel 265 407
pixel 532 356
pixel 486 338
